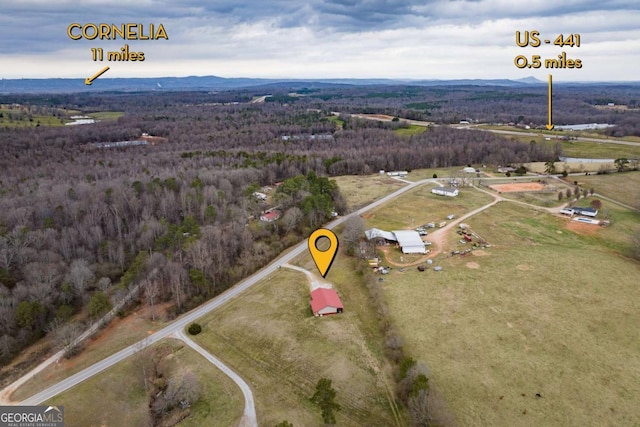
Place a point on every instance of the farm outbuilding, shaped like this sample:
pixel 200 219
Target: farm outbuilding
pixel 325 301
pixel 445 191
pixel 376 233
pixel 410 241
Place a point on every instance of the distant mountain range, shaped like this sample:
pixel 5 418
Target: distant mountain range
pixel 220 83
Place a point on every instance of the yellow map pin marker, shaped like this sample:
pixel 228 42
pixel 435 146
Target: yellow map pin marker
pixel 323 259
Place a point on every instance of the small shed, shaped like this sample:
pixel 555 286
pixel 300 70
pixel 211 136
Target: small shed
pixel 325 301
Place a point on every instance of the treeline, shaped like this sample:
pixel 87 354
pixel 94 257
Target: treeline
pixel 425 406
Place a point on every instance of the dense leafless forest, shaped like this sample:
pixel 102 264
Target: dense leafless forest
pixel 80 224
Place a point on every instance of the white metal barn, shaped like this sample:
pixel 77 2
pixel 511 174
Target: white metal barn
pixel 410 242
pixel 376 233
pixel 445 191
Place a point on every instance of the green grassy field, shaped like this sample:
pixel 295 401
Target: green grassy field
pixel 585 149
pixel 420 174
pixel 411 130
pixel 118 335
pixel 269 337
pixel 106 115
pixel 339 123
pixel 14 118
pixel 27 116
pixel 545 310
pixel 362 190
pixel 420 206
pixel 624 187
pixel 116 397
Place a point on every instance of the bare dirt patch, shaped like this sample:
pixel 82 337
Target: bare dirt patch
pixel 480 252
pixel 473 265
pixel 582 228
pixel 518 187
pixel 523 267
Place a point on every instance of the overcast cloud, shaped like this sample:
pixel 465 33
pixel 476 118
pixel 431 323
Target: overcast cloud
pixel 430 39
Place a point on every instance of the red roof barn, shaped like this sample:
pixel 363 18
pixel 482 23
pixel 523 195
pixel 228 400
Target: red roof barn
pixel 325 301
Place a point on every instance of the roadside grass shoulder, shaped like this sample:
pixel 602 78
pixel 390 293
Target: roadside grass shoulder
pixel 624 187
pixel 117 397
pixel 420 174
pixel 361 190
pixel 419 206
pixel 119 334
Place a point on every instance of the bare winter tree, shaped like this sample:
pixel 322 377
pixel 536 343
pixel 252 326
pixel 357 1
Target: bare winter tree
pixel 104 283
pixel 353 233
pixel 181 392
pixel 291 219
pixel 80 276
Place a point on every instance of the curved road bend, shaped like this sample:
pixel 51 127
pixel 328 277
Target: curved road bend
pixel 178 325
pixel 249 418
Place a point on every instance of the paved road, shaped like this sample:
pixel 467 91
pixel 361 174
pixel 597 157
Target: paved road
pixel 179 324
pixel 6 393
pixel 249 418
pixel 554 136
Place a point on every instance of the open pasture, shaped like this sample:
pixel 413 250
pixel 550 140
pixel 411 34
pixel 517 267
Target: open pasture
pixel 420 206
pixel 270 338
pixel 539 329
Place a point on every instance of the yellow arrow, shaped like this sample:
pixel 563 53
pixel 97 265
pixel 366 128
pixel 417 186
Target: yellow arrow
pixel 88 80
pixel 550 123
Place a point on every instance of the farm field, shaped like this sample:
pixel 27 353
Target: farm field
pixel 270 338
pixel 588 149
pixel 28 116
pixel 120 396
pixel 420 206
pixel 420 174
pixel 539 329
pixel 517 190
pixel 571 167
pixel 359 191
pixel 411 130
pixel 624 187
pixel 558 133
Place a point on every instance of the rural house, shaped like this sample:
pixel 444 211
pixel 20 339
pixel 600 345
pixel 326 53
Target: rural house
pixel 325 301
pixel 270 216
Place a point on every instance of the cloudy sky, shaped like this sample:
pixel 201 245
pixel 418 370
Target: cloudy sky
pixel 412 39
